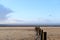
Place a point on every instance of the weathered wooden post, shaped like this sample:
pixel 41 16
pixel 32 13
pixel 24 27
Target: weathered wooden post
pixel 45 35
pixel 40 35
pixel 37 32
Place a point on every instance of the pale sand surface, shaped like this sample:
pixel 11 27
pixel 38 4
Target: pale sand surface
pixel 27 33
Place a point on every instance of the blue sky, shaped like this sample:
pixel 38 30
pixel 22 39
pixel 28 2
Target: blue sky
pixel 33 10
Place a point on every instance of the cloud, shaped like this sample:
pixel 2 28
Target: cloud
pixel 4 12
pixel 4 18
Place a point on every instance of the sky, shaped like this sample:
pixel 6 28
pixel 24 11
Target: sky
pixel 29 11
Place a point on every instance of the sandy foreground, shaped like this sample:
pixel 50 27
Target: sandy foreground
pixel 27 33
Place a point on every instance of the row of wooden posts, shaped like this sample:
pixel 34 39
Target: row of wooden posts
pixel 40 35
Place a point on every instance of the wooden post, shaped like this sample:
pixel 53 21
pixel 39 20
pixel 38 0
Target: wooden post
pixel 45 35
pixel 37 33
pixel 42 35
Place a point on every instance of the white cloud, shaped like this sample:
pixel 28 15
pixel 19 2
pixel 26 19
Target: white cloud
pixel 4 12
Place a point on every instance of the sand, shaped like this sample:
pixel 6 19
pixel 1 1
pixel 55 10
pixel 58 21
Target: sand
pixel 27 33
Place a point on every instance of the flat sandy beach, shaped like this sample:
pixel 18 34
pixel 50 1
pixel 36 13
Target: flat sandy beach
pixel 27 33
